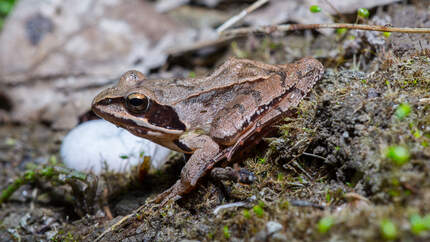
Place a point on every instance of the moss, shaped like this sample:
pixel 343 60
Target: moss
pixel 6 7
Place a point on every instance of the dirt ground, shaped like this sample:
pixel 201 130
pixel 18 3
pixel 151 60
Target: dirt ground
pixel 331 173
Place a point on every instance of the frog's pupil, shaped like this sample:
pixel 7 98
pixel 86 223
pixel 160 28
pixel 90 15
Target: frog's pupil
pixel 136 101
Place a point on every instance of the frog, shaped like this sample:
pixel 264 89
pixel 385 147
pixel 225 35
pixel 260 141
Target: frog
pixel 211 117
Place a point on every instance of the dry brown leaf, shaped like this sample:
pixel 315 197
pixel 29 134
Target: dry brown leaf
pixel 56 55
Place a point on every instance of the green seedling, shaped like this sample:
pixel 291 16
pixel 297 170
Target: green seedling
pixel 315 9
pixel 226 232
pixel 388 229
pixel 398 154
pixel 325 224
pixel 363 13
pixel 403 110
pixel 258 210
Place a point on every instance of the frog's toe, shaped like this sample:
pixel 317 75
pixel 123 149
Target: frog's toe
pixel 162 196
pixel 173 193
pixel 172 198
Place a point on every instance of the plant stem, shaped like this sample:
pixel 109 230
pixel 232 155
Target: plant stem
pixel 292 27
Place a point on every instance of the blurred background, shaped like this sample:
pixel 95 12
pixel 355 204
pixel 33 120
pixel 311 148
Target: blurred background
pixel 354 165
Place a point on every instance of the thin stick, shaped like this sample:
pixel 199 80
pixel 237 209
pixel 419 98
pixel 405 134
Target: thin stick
pixel 113 227
pixel 315 156
pixel 240 16
pixel 291 27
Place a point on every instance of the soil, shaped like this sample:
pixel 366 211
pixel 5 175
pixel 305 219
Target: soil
pixel 327 175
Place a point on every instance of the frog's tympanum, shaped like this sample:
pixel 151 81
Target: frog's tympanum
pixel 210 117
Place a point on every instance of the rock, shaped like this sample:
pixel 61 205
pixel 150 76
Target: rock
pixel 97 144
pixel 272 227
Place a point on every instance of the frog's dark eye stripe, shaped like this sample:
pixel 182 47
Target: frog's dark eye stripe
pixel 137 103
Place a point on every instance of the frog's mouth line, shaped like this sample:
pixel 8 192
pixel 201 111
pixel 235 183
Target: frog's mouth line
pixel 169 140
pixel 107 110
pixel 120 122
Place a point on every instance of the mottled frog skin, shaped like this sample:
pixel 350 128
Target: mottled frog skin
pixel 210 117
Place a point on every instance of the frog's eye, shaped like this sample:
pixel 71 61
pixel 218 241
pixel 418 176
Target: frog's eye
pixel 137 103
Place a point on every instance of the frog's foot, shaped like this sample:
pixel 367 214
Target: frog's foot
pixel 174 193
pixel 205 149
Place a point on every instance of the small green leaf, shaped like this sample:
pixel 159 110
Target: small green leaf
pixel 47 172
pixel 386 34
pixel 123 157
pixel 341 31
pixel 363 12
pixel 261 160
pixel 192 74
pixel 388 229
pixel 418 224
pixel 398 154
pixel 246 213
pixel 417 133
pixel 315 9
pixel 325 224
pixel 403 110
pixel 29 175
pixel 226 232
pixel 258 211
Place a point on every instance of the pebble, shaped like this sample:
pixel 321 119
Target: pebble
pixel 273 227
pixel 96 144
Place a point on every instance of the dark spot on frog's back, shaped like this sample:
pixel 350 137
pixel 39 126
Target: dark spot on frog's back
pixel 37 27
pixel 255 94
pixel 239 107
pixel 283 77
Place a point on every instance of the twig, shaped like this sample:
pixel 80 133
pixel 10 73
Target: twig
pixel 315 156
pixel 240 16
pixel 303 170
pixel 113 227
pixel 292 27
pixel 303 203
pixel 230 205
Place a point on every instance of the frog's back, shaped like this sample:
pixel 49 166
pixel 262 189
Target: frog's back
pixel 232 72
pixel 199 103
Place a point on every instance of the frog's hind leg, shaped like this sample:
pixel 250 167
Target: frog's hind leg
pixel 272 116
pixel 202 160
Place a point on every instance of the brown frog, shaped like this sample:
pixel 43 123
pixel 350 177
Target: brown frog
pixel 210 117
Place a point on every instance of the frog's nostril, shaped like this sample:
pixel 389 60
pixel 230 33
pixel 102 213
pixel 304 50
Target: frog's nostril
pixel 105 102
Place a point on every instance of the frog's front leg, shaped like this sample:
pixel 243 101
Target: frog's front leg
pixel 205 149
